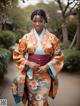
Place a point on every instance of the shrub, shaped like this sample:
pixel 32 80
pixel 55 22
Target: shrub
pixel 7 38
pixel 72 63
pixel 12 49
pixel 71 60
pixel 4 59
pixel 1 70
pixel 19 34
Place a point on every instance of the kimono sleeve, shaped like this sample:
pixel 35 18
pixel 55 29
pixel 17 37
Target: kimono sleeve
pixel 56 63
pixel 19 54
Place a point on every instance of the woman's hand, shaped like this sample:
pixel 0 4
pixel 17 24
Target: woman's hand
pixel 34 66
pixel 42 69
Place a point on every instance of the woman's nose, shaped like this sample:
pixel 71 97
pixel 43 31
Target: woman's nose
pixel 37 23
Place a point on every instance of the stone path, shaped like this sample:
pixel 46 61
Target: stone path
pixel 68 93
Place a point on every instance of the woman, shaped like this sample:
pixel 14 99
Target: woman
pixel 39 60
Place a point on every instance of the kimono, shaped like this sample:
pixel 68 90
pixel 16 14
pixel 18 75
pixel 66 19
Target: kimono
pixel 32 86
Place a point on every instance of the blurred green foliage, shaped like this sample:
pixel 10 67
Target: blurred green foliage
pixel 5 56
pixel 7 38
pixel 71 60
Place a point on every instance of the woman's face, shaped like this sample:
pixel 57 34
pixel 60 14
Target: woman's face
pixel 38 23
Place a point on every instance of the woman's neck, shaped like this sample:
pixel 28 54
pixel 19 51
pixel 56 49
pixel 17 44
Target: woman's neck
pixel 40 31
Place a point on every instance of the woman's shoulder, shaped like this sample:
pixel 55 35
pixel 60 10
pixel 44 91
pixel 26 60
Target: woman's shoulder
pixel 23 39
pixel 52 36
pixel 25 36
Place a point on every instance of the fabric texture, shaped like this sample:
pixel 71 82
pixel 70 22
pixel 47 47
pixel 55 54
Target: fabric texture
pixel 39 86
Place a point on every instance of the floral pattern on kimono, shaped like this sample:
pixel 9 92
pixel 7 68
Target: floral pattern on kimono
pixel 42 85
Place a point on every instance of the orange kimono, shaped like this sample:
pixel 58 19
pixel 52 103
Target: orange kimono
pixel 39 86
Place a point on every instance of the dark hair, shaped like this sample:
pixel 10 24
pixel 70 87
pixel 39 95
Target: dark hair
pixel 39 12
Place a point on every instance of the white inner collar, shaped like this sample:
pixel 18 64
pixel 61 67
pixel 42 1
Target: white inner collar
pixel 39 37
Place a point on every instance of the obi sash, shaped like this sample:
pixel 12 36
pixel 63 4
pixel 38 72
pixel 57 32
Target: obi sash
pixel 39 59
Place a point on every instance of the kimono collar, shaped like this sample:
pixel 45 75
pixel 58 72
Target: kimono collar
pixel 45 32
pixel 39 37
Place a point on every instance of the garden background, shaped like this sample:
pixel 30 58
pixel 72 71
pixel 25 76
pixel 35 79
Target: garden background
pixel 64 22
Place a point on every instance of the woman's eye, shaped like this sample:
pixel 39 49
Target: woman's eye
pixel 40 21
pixel 34 21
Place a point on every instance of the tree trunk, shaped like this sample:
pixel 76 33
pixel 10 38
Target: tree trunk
pixel 78 29
pixel 65 34
pixel 78 38
pixel 73 42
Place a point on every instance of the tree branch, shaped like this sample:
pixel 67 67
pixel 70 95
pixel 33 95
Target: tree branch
pixel 71 10
pixel 66 7
pixel 60 6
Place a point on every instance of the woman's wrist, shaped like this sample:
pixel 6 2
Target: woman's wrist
pixel 47 67
pixel 27 62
